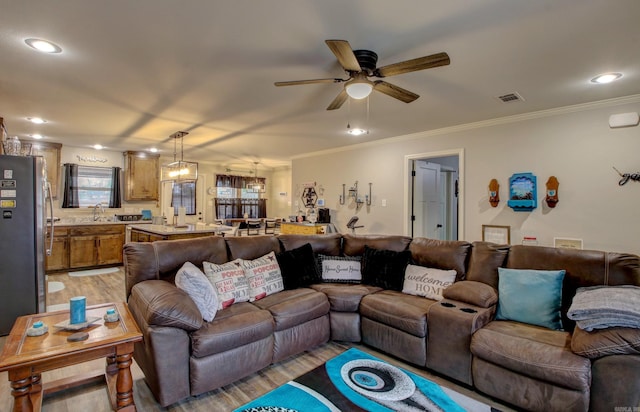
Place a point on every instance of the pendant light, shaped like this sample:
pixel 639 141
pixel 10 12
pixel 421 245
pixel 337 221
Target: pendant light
pixel 179 170
pixel 257 186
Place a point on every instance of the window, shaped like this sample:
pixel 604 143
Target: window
pixel 235 198
pixel 184 194
pixel 94 185
pixel 87 186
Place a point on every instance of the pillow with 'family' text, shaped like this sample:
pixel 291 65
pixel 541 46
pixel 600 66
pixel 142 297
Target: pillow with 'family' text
pixel 427 282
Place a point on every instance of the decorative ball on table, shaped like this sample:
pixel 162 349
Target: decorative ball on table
pixel 37 329
pixel 111 315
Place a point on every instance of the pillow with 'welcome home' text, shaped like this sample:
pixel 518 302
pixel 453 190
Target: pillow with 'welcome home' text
pixel 427 282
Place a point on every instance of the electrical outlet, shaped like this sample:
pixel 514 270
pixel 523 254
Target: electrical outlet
pixel 383 202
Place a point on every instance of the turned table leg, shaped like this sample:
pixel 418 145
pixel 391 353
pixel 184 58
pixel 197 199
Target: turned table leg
pixel 21 391
pixel 112 366
pixel 124 383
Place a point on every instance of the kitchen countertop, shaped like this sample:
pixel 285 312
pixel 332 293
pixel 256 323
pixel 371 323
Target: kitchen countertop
pixel 63 222
pixel 190 228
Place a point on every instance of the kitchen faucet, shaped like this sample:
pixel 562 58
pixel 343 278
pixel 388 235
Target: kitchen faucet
pixel 98 205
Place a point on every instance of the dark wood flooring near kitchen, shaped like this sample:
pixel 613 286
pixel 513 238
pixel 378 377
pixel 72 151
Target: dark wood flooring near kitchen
pixel 109 288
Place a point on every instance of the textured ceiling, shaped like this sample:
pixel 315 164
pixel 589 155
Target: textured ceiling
pixel 134 72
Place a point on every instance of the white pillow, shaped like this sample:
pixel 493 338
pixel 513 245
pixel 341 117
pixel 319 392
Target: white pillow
pixel 263 275
pixel 229 282
pixel 191 279
pixel 427 282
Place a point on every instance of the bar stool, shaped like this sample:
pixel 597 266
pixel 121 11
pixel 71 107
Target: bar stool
pixel 253 227
pixel 270 226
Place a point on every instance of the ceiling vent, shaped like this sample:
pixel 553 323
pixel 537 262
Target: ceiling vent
pixel 510 98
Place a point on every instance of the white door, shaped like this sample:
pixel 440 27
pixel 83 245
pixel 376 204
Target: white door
pixel 428 201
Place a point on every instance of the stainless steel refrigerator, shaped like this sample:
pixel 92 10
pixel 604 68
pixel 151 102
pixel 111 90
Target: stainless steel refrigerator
pixel 23 193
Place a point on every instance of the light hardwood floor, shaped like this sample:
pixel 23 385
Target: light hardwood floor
pixel 109 288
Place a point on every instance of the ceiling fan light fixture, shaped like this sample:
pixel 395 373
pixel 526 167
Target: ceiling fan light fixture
pixel 359 89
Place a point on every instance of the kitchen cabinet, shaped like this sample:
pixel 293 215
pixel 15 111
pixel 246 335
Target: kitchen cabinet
pixel 59 257
pixel 141 176
pixel 84 246
pixel 95 245
pixel 51 153
pixel 82 251
pixel 138 236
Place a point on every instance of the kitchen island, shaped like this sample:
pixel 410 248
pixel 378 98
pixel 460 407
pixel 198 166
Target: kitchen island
pixel 151 233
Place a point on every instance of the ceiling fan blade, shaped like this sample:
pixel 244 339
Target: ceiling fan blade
pixel 339 100
pixel 421 63
pixel 395 91
pixel 344 54
pixel 296 82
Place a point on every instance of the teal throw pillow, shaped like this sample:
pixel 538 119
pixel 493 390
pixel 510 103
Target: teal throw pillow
pixel 530 296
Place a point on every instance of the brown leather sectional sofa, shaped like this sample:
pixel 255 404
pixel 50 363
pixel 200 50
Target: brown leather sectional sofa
pixel 527 366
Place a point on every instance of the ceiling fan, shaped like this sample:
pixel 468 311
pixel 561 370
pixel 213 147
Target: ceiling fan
pixel 361 64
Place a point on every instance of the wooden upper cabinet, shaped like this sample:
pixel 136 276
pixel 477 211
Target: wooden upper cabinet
pixel 51 153
pixel 142 176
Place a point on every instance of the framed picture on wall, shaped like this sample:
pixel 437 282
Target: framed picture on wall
pixel 496 234
pixel 567 243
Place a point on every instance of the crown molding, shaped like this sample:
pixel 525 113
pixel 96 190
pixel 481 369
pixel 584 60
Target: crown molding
pixel 482 124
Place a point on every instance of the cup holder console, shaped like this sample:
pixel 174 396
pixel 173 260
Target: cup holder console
pixel 451 305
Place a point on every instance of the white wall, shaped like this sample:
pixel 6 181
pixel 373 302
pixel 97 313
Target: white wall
pixel 575 144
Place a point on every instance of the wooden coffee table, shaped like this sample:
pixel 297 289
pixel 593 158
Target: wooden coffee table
pixel 26 357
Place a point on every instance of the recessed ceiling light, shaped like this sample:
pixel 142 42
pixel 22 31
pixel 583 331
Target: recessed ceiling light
pixel 153 150
pixel 36 136
pixel 356 131
pixel 98 146
pixel 43 46
pixel 36 120
pixel 606 78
